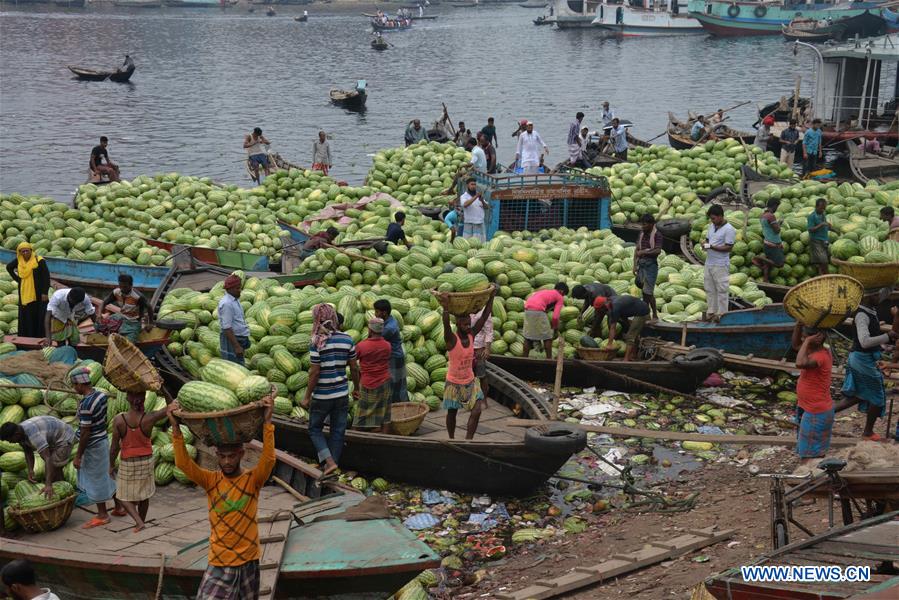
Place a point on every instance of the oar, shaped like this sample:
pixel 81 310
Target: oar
pixel 354 255
pixel 737 106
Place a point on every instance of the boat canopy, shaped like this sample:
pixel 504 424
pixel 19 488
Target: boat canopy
pixel 360 85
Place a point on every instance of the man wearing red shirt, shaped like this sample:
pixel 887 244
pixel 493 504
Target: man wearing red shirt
pixel 373 408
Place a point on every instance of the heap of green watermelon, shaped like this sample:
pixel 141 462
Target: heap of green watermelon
pixel 417 175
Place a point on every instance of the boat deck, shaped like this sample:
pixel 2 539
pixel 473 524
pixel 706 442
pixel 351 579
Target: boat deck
pixel 490 427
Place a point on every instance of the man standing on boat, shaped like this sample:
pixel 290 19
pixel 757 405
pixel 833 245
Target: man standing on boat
pixel 812 148
pixel 574 139
pixel 234 337
pixel 100 163
pixel 606 115
pixel 646 261
pixel 415 133
pixel 720 240
pixel 489 152
pixel 618 137
pixel 789 139
pixel 818 237
pixel 392 334
pixel 489 130
pixel 478 156
pixel 538 327
pixel 133 308
pixel 474 209
pixel 321 153
pixel 232 495
pixel 461 387
pixel 763 134
pixel 773 244
pixel 373 396
pixel 67 308
pixel 256 153
pixel 530 150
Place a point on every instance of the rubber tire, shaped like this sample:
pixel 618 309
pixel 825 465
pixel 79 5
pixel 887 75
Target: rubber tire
pixel 718 191
pixel 733 11
pixel 700 360
pixel 780 535
pixel 674 228
pixel 760 11
pixel 557 439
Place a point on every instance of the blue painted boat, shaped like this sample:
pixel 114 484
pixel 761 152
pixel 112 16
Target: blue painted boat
pixel 96 274
pixel 730 18
pixel 763 332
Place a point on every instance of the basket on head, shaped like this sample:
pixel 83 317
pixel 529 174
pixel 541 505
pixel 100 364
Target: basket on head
pixel 126 367
pixel 824 302
pixel 406 417
pixel 596 353
pixel 871 275
pixel 467 303
pixel 44 518
pixel 233 426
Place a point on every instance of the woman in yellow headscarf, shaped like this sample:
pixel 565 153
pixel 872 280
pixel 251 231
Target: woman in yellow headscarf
pixel 31 273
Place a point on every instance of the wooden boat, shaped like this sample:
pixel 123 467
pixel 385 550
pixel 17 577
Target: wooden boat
pixel 753 181
pixel 332 558
pixel 869 543
pixel 89 74
pixel 298 235
pixel 215 256
pixel 679 133
pixel 270 12
pixel 812 30
pixel 379 44
pixel 498 461
pixel 612 374
pixel 138 3
pixel 542 20
pixel 866 166
pixel 463 4
pixel 763 331
pixel 301 18
pixel 350 100
pixel 69 3
pixel 391 25
pixel 122 75
pixel 97 274
pixel 424 17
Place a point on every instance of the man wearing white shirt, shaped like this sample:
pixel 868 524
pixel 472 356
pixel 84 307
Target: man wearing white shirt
pixel 530 150
pixel 618 138
pixel 473 208
pixel 719 242
pixel 478 158
pixel 607 115
pixel 66 308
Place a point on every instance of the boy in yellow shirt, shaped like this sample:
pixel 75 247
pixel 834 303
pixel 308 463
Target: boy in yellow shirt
pixel 232 495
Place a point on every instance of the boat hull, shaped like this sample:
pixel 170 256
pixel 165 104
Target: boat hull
pixel 646 23
pixel 97 274
pixel 726 18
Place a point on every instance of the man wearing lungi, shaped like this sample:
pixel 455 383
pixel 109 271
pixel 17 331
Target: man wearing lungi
pixel 67 308
pixel 814 410
pixel 461 387
pixel 863 384
pixel 574 140
pixel 133 308
pixel 235 333
pixel 92 457
pixel 48 437
pixel 232 496
pixel 538 327
pixel 135 481
pixel 373 396
pixel 392 334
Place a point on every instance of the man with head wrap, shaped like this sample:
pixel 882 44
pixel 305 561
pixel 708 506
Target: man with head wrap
pixel 327 393
pixel 234 337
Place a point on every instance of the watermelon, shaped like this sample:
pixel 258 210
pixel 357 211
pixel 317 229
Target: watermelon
pixel 201 396
pixel 224 373
pixel 252 388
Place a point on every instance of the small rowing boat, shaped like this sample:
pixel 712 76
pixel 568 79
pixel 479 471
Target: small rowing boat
pixel 812 30
pixel 215 256
pixel 379 44
pixel 679 133
pixel 879 167
pixel 89 74
pixel 352 99
pixel 391 25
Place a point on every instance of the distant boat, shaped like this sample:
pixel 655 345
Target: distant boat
pixel 120 75
pixel 629 21
pixel 138 3
pixel 543 20
pixel 196 3
pixel 270 12
pixel 538 4
pixel 69 3
pixel 379 44
pixel 463 4
pixel 301 18
pixel 728 18
pixel 351 100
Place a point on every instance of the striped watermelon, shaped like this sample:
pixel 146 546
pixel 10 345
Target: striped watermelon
pixel 285 361
pixel 201 396
pixel 224 373
pixel 252 388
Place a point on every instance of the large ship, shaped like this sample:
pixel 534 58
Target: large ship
pixel 728 18
pixel 654 18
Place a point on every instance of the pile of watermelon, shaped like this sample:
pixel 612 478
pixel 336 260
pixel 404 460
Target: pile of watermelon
pixel 417 175
pixel 669 183
pixel 857 234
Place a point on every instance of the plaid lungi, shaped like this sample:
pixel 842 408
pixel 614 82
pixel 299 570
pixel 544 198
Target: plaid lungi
pixel 93 476
pixel 398 379
pixel 230 583
pixel 814 433
pixel 67 333
pixel 135 480
pixel 373 409
pixel 460 395
pixel 228 353
pixel 537 327
pixel 864 380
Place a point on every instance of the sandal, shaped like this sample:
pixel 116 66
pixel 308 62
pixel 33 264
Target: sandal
pixel 95 522
pixel 874 437
pixel 118 512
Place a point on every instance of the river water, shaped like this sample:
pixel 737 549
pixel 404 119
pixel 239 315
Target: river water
pixel 206 77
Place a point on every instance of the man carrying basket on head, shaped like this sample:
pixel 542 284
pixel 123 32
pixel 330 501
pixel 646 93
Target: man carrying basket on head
pixel 461 388
pixel 232 495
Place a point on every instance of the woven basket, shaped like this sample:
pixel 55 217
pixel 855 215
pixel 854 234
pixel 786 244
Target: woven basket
pixel 870 275
pixel 467 303
pixel 234 426
pixel 824 301
pixel 126 367
pixel 406 417
pixel 45 518
pixel 596 353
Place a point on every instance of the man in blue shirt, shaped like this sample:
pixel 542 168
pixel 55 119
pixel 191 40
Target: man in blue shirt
pixel 818 238
pixel 235 334
pixel 812 148
pixel 698 131
pixel 397 354
pixel 395 233
pixel 452 221
pixel 618 138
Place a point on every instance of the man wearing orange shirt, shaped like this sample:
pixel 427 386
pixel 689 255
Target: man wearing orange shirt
pixel 232 495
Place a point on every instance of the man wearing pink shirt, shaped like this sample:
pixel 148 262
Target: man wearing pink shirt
pixel 537 325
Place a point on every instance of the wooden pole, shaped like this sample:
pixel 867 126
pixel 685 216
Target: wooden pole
pixel 290 490
pixel 37 387
pixel 795 112
pixel 557 388
pixel 354 255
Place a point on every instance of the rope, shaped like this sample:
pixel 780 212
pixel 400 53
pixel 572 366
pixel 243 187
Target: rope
pixel 664 390
pixel 158 595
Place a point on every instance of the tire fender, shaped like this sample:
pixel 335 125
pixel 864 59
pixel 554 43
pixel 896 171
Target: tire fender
pixel 559 439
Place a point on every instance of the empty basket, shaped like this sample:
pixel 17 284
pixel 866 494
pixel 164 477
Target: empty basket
pixel 126 367
pixel 824 301
pixel 406 417
pixel 870 275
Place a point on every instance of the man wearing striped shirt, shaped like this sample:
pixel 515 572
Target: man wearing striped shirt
pixel 327 393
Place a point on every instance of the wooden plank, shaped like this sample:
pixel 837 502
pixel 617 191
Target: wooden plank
pixel 619 564
pixel 273 539
pixel 769 440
